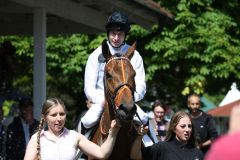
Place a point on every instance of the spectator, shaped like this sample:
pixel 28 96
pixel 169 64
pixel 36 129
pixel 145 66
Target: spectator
pixel 204 124
pixel 57 142
pixel 180 143
pixel 226 147
pixel 117 28
pixel 20 131
pixel 158 122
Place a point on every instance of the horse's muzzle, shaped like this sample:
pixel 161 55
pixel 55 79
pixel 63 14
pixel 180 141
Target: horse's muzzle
pixel 124 114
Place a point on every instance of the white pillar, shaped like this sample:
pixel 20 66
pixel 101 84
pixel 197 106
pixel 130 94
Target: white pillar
pixel 39 64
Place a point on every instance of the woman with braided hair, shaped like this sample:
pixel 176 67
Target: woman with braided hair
pixel 58 142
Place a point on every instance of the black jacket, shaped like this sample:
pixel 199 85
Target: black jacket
pixel 171 150
pixel 2 141
pixel 16 145
pixel 205 129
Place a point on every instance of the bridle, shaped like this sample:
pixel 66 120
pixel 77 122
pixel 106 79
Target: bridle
pixel 113 95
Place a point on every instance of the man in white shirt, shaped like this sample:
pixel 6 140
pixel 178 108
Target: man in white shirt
pixel 117 28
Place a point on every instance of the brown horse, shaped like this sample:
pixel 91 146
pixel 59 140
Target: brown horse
pixel 119 87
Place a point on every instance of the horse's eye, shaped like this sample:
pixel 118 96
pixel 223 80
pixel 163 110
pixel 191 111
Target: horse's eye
pixel 108 75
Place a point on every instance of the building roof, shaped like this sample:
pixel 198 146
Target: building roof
pixel 225 110
pixel 231 100
pixel 77 16
pixel 232 95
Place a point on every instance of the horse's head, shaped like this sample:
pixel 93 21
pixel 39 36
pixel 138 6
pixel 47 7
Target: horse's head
pixel 119 84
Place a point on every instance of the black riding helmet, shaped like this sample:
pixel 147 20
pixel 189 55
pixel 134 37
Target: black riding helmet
pixel 118 21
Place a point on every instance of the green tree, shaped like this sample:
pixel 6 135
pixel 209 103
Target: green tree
pixel 199 53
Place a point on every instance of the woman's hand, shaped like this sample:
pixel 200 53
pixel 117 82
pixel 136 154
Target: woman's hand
pixel 142 130
pixel 115 126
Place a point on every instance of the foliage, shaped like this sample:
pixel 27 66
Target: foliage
pixel 7 106
pixel 22 62
pixel 66 58
pixel 200 50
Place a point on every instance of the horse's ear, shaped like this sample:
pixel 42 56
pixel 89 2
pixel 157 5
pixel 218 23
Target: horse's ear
pixel 130 52
pixel 105 50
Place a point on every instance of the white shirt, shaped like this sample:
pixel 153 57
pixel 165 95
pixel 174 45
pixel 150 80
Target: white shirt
pixel 26 131
pixel 94 72
pixel 64 148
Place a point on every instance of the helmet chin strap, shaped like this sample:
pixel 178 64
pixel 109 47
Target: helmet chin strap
pixel 118 46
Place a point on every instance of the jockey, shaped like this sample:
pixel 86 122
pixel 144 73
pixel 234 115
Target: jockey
pixel 117 28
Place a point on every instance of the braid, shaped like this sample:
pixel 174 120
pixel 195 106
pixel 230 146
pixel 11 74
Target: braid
pixel 40 127
pixel 47 106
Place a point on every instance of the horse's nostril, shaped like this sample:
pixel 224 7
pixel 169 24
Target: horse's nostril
pixel 123 107
pixel 126 108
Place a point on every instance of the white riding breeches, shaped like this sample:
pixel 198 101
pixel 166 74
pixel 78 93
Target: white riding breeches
pixel 94 113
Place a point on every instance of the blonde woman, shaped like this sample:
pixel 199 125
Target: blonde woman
pixel 58 142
